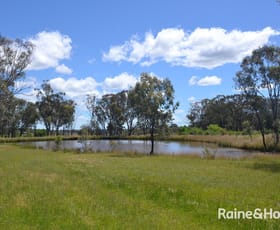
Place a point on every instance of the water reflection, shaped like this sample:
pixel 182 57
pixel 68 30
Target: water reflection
pixel 140 146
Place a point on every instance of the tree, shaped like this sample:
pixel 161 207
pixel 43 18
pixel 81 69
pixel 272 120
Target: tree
pixel 115 107
pixel 27 115
pixel 15 55
pixel 260 76
pixel 154 103
pixel 130 114
pixel 54 109
pixel 225 111
pixel 111 112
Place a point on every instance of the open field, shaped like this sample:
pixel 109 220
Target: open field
pixel 56 190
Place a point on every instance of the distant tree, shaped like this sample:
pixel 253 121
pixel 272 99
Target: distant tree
pixel 28 115
pixel 55 111
pixel 154 103
pixel 227 112
pixel 260 76
pixel 258 107
pixel 130 114
pixel 115 107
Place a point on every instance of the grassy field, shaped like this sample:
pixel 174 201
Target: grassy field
pixel 56 190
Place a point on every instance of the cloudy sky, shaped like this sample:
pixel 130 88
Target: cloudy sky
pixel 96 47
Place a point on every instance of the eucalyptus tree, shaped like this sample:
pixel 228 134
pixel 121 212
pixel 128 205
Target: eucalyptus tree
pixel 154 103
pixel 28 115
pixel 130 114
pixel 15 55
pixel 260 76
pixel 54 109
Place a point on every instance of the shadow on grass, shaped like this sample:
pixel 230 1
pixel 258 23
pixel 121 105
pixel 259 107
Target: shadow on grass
pixel 267 166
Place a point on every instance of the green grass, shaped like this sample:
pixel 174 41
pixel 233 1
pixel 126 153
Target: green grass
pixel 55 190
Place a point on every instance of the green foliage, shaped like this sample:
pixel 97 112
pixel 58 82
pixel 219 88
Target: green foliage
pixel 40 133
pixel 215 129
pixel 58 142
pixel 212 129
pixel 154 104
pixel 186 130
pixel 54 109
pixel 259 82
pixel 15 56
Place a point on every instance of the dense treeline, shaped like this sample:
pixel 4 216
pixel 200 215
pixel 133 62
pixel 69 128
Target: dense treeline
pixel 257 105
pixel 232 112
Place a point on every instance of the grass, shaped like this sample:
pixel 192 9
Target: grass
pixel 55 190
pixel 235 141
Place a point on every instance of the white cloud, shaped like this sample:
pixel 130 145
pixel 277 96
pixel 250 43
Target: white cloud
pixel 63 69
pixel 209 80
pixel 191 99
pixel 27 88
pixel 50 48
pixel 78 88
pixel 205 81
pixel 204 47
pixel 120 82
pixel 74 87
pixel 193 80
pixel 29 82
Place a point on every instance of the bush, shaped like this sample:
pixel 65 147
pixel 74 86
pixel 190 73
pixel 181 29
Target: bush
pixel 215 129
pixel 184 130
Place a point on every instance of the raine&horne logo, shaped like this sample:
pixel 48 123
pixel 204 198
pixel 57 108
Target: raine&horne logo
pixel 258 213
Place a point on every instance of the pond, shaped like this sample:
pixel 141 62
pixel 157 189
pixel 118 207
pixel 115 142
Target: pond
pixel 140 146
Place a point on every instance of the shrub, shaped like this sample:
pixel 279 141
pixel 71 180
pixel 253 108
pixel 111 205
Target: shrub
pixel 215 129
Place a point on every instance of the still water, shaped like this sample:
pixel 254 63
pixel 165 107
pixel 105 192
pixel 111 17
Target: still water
pixel 140 146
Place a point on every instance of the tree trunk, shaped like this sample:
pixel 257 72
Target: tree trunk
pixel 152 142
pixel 262 130
pixel 263 140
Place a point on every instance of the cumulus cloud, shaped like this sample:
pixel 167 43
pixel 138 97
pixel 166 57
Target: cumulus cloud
pixel 74 87
pixel 26 89
pixel 49 49
pixel 204 47
pixel 78 89
pixel 63 69
pixel 119 82
pixel 193 80
pixel 205 81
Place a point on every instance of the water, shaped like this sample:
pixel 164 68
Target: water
pixel 140 146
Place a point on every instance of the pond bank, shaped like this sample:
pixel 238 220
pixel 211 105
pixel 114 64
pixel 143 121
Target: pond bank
pixel 231 141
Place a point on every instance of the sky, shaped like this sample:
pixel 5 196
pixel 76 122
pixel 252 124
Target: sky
pixel 97 47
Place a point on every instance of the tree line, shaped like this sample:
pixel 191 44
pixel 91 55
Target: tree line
pixel 148 107
pixel 257 105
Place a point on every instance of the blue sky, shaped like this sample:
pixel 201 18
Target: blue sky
pixel 96 47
